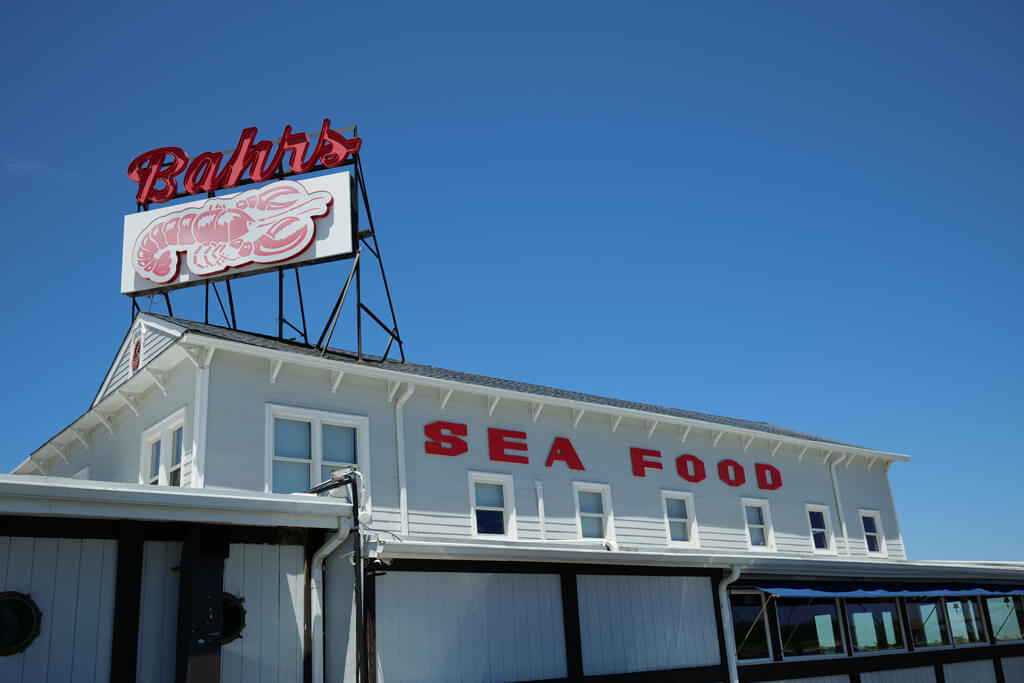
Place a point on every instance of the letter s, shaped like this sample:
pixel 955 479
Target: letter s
pixel 442 443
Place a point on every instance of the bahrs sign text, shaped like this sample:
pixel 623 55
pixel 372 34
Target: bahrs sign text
pixel 156 171
pixel 506 445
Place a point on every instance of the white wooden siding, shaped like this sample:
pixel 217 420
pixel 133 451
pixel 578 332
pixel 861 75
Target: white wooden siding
pixel 982 671
pixel 469 628
pixel 921 674
pixel 271 580
pixel 153 342
pixel 1013 669
pixel 644 623
pixel 840 678
pixel 72 582
pixel 158 611
pixel 339 617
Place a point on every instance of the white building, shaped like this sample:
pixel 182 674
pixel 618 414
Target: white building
pixel 509 532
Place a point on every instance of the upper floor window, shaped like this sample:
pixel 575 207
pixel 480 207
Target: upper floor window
pixel 819 518
pixel 758 520
pixel 874 539
pixel 305 446
pixel 680 520
pixel 163 451
pixel 492 499
pixel 593 510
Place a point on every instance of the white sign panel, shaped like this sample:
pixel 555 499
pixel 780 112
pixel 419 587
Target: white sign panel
pixel 286 222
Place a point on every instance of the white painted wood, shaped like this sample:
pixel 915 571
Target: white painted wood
pixel 1013 669
pixel 922 674
pixel 982 671
pixel 469 627
pixel 644 623
pixel 59 574
pixel 158 611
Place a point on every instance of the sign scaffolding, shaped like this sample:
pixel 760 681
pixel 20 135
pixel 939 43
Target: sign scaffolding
pixel 281 224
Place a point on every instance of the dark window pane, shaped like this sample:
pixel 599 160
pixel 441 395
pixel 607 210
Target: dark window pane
pixel 174 477
pixel 154 459
pixel 676 508
pixel 817 519
pixel 490 522
pixel 820 540
pixel 754 515
pixel 177 445
pixel 927 623
pixel 809 627
pixel 874 625
pixel 748 622
pixel 869 525
pixel 872 541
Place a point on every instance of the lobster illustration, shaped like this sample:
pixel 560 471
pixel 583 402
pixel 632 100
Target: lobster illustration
pixel 265 225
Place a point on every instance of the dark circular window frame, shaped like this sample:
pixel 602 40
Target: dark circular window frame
pixel 37 621
pixel 233 600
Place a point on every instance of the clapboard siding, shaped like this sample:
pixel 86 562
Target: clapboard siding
pixel 1013 669
pixel 469 628
pixel 982 671
pixel 270 579
pixel 644 623
pixel 921 674
pixel 153 342
pixel 72 582
pixel 117 456
pixel 158 611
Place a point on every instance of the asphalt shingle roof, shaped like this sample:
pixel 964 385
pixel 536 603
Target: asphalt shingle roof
pixel 268 342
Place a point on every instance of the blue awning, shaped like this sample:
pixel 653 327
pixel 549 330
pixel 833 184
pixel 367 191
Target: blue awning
pixel 864 589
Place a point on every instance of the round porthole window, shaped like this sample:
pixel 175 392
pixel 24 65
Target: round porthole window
pixel 234 618
pixel 20 619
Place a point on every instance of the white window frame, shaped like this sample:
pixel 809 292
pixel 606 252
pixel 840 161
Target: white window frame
pixel 691 518
pixel 769 527
pixel 316 418
pixel 877 516
pixel 163 431
pixel 82 473
pixel 606 503
pixel 830 537
pixel 507 483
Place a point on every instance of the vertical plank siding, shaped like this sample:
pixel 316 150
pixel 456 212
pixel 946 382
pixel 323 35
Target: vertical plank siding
pixel 72 583
pixel 817 679
pixel 644 623
pixel 970 672
pixel 921 674
pixel 469 628
pixel 1013 669
pixel 158 611
pixel 270 580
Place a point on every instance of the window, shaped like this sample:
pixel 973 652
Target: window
pixel 233 623
pixel 874 625
pixel 163 451
pixel 680 521
pixel 594 510
pixel 927 622
pixel 965 621
pixel 750 625
pixel 874 539
pixel 819 517
pixel 492 500
pixel 758 520
pixel 305 446
pixel 20 620
pixel 1006 614
pixel 809 627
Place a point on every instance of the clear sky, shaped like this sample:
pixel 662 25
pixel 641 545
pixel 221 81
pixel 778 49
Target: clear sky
pixel 805 213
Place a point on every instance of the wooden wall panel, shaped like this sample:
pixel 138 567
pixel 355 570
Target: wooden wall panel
pixel 921 674
pixel 982 671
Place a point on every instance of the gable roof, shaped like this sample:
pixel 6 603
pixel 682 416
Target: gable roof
pixel 429 371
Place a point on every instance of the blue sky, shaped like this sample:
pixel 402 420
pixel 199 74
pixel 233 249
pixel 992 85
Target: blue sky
pixel 804 213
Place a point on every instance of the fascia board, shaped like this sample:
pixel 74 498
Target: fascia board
pixel 42 496
pixel 395 375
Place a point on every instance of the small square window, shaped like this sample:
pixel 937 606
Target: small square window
pixel 593 510
pixel 492 499
pixel 758 521
pixel 680 522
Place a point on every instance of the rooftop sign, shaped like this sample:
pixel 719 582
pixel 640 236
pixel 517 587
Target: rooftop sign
pixel 156 171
